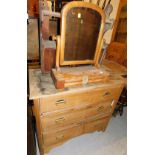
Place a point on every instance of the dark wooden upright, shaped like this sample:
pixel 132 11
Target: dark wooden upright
pixel 47 47
pixel 33 8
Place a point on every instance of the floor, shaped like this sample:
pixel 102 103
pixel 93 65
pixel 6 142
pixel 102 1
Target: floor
pixel 111 142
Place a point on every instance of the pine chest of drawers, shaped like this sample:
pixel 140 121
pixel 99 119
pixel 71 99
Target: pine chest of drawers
pixel 64 114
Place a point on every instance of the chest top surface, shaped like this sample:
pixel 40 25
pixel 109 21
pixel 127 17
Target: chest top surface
pixel 41 85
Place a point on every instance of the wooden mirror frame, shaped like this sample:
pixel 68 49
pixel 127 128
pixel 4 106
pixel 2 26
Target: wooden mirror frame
pixel 61 39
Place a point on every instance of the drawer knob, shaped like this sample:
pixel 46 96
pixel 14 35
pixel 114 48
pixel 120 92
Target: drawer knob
pixel 59 102
pixel 60 120
pixel 60 137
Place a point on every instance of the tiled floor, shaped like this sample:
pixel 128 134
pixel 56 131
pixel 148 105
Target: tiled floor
pixel 111 142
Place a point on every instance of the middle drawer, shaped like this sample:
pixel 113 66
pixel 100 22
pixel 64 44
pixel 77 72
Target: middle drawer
pixel 56 120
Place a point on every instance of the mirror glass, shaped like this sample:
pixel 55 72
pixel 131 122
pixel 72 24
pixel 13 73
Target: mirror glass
pixel 81 36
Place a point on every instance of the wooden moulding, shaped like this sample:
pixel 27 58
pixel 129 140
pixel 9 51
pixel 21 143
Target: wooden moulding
pixel 64 12
pixel 75 76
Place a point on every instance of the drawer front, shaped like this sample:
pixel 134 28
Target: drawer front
pixel 56 121
pixel 96 125
pixel 105 108
pixel 107 94
pixel 58 102
pixel 51 138
pixel 53 121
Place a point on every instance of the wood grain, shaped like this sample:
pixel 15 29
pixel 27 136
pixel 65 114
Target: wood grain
pixel 73 76
pixel 96 125
pixel 90 96
pixel 64 114
pixel 32 39
pixel 121 5
pixel 48 59
pixel 117 52
pixel 53 137
pixel 115 68
pixel 64 21
pixel 33 8
pixel 47 48
pixel 36 112
pixel 61 118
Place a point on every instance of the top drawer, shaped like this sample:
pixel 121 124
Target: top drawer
pixel 70 99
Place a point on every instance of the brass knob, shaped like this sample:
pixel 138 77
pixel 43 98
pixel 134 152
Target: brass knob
pixel 59 102
pixel 60 120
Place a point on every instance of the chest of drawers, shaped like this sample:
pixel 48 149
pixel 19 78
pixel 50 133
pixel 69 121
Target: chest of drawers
pixel 64 114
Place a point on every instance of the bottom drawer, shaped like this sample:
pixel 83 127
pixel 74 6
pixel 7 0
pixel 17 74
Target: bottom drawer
pixel 51 138
pixel 55 137
pixel 96 125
